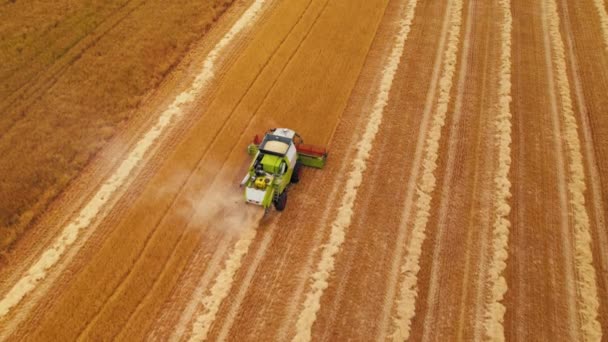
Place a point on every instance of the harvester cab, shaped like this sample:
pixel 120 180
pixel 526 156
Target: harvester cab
pixel 277 160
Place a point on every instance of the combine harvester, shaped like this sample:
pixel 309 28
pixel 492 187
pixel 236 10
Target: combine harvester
pixel 276 163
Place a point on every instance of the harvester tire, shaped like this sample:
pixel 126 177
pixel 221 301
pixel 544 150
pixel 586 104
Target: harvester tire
pixel 281 201
pixel 295 176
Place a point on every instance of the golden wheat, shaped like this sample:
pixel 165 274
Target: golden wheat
pixel 63 127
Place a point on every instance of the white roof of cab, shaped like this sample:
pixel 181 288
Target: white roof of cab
pixel 284 132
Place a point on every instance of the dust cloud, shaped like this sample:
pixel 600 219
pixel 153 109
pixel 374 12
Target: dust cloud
pixel 220 207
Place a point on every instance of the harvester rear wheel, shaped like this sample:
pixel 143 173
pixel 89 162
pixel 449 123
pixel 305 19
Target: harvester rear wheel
pixel 281 201
pixel 295 176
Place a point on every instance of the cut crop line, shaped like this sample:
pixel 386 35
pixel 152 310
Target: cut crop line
pixel 190 310
pixel 70 233
pixel 588 302
pixel 221 287
pixel 494 309
pixel 325 267
pixel 292 306
pixel 246 283
pixel 426 184
pixel 484 220
pixel 432 301
pixel 603 16
pixel 415 171
pixel 592 166
pixel 561 183
pixel 490 163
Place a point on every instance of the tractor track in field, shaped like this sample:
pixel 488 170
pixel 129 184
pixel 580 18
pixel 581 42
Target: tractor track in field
pixel 586 292
pixel 347 148
pixel 430 99
pixel 245 283
pixel 561 170
pixel 410 264
pixel 446 190
pixel 275 285
pixel 371 223
pixel 591 165
pixel 386 327
pixel 357 231
pixel 572 259
pixel 465 194
pixel 526 149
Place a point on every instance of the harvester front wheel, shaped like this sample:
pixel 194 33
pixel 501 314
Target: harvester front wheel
pixel 295 176
pixel 281 201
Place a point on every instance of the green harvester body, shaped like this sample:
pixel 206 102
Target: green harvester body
pixel 276 164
